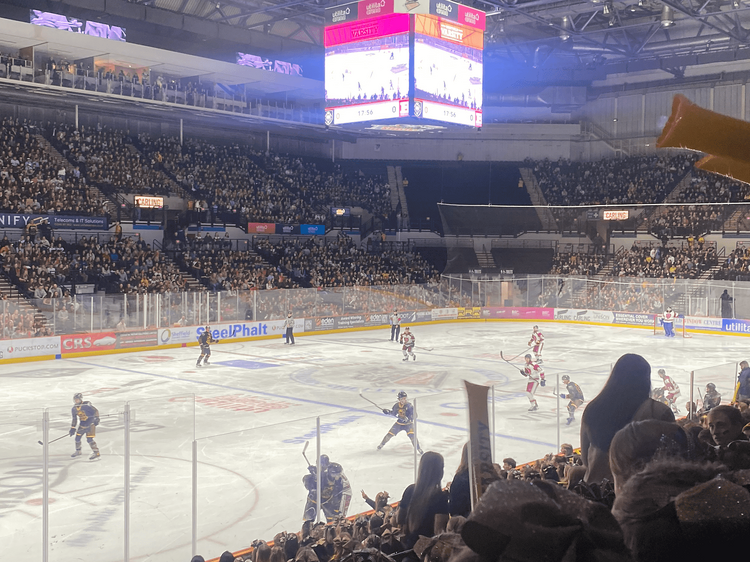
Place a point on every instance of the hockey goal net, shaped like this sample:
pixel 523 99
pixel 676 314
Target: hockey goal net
pixel 679 327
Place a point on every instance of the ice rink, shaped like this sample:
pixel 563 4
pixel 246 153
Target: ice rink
pixel 251 411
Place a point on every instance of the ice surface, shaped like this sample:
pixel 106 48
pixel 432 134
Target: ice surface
pixel 254 407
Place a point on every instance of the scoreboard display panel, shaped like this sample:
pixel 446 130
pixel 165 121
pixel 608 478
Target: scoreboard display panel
pixel 367 70
pixel 391 59
pixel 448 71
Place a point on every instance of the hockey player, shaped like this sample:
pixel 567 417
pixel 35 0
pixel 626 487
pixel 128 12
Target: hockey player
pixel 536 377
pixel 335 490
pixel 537 340
pixel 395 321
pixel 89 419
pixel 711 399
pixel 289 325
pixel 205 340
pixel 339 502
pixel 407 339
pixel 667 322
pixel 574 394
pixel 404 411
pixel 671 390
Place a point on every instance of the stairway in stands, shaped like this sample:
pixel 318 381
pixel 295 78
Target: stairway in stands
pixel 60 160
pixel 538 200
pixel 486 260
pixel 15 297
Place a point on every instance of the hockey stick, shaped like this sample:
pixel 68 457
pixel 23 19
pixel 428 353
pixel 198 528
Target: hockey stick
pixel 513 358
pixel 370 401
pixel 304 450
pixel 64 436
pixel 423 348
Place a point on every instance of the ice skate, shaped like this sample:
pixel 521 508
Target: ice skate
pixel 206 363
pixel 76 454
pixel 414 357
pixel 570 420
pixel 380 446
pixel 533 408
pixel 405 359
pixel 95 455
pixel 197 364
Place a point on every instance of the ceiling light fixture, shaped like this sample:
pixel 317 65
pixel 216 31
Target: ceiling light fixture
pixel 566 26
pixel 667 17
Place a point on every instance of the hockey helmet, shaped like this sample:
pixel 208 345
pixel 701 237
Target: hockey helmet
pixel 289 315
pixel 711 387
pixel 78 398
pixel 208 328
pixel 406 328
pixel 669 309
pixel 324 461
pixel 662 373
pixel 401 395
pixel 335 469
pixel 527 357
pixel 536 328
pixel 566 378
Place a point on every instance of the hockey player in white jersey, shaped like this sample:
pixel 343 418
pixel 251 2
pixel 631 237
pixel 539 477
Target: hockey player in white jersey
pixel 407 348
pixel 535 373
pixel 537 340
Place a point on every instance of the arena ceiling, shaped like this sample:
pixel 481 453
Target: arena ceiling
pixel 535 33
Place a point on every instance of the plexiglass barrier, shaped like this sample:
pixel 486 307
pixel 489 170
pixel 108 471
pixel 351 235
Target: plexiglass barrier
pixel 723 376
pixel 22 483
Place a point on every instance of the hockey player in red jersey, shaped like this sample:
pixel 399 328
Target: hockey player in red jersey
pixel 537 340
pixel 671 390
pixel 536 377
pixel 407 339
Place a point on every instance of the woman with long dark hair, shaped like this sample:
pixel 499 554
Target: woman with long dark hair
pixel 460 492
pixel 423 509
pixel 625 398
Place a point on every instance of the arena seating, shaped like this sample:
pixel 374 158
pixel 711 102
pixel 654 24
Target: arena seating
pixel 30 182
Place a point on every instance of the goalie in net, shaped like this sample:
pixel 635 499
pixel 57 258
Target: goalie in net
pixel 670 324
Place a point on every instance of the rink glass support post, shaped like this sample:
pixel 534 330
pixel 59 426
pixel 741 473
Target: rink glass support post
pixel 218 307
pixel 416 440
pixel 492 421
pixel 194 530
pixel 318 492
pixel 255 305
pixel 145 310
pixel 126 471
pixel 137 309
pixel 45 486
pixel 557 395
pixel 692 387
pixel 92 314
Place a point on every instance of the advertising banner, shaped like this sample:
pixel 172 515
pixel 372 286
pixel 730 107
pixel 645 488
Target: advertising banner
pixel 239 330
pixel 579 315
pixel 287 228
pixel 423 316
pixel 444 313
pixel 77 343
pixel 633 318
pixel 376 320
pixel 701 323
pixel 521 313
pixel 351 321
pixel 313 229
pixel 137 338
pixel 470 312
pixel 178 335
pixel 325 323
pixel 735 326
pixel 13 220
pixel 365 30
pixel 29 347
pixel 261 228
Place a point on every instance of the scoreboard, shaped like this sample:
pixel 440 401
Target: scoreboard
pixel 391 59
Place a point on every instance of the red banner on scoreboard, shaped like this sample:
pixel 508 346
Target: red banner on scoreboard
pixel 351 32
pixel 368 9
pixel 440 28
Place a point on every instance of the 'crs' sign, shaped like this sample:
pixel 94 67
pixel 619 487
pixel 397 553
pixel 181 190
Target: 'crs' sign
pixel 87 342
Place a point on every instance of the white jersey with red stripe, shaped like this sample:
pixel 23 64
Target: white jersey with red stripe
pixel 669 316
pixel 534 371
pixel 536 338
pixel 408 339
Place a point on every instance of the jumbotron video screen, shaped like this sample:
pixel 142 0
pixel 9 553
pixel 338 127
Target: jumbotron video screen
pixel 409 60
pixel 367 69
pixel 447 71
